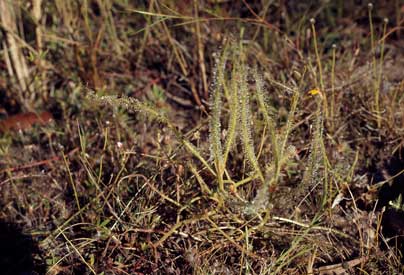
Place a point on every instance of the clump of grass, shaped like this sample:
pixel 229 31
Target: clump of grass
pixel 377 65
pixel 319 65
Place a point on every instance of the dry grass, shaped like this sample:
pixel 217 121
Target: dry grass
pixel 202 137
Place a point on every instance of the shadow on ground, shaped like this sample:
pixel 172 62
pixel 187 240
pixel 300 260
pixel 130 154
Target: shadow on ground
pixel 17 252
pixel 393 219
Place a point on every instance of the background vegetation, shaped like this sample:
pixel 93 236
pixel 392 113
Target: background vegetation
pixel 201 137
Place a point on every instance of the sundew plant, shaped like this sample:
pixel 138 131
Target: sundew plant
pixel 240 89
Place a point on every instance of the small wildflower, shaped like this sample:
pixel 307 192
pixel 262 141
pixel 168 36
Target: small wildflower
pixel 119 144
pixel 314 91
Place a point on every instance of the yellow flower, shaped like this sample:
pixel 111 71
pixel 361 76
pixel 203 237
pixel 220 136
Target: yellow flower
pixel 314 92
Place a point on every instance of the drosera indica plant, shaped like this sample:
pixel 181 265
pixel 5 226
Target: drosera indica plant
pixel 231 87
pixel 234 88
